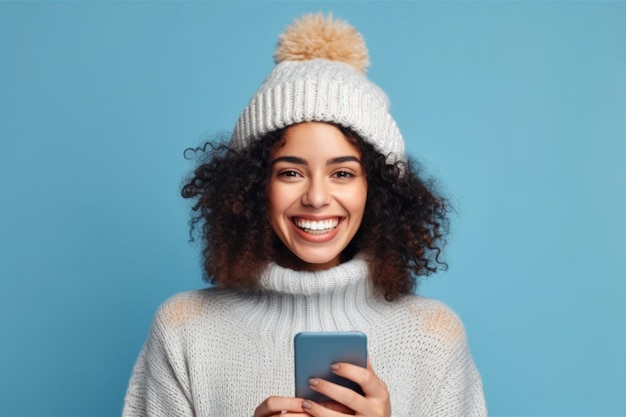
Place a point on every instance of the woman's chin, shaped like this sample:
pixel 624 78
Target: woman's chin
pixel 306 261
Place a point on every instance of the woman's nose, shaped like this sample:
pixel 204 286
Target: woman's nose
pixel 317 194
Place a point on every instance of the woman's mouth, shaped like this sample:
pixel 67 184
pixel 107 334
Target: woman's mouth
pixel 316 227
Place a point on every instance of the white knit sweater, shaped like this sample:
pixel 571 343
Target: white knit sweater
pixel 220 353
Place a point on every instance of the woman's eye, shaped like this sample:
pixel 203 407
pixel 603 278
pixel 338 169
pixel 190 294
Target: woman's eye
pixel 290 174
pixel 343 174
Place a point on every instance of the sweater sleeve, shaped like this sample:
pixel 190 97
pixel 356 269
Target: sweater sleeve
pixel 461 391
pixel 159 385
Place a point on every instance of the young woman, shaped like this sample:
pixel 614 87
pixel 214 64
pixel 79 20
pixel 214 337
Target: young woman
pixel 313 220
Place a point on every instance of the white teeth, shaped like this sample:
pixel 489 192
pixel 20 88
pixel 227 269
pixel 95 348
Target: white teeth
pixel 317 227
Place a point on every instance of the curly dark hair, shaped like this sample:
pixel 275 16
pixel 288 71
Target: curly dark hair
pixel 402 233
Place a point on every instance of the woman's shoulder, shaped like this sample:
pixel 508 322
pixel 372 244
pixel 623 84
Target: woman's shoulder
pixel 431 318
pixel 188 307
pixel 420 305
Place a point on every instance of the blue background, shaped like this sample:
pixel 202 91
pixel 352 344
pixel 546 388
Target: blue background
pixel 519 108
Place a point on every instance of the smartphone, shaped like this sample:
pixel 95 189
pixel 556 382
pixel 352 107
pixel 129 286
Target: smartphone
pixel 316 351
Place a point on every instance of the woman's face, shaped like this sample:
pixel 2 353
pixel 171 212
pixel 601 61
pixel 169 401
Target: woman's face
pixel 316 195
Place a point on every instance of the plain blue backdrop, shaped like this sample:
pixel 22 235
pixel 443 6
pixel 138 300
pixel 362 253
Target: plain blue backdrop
pixel 519 108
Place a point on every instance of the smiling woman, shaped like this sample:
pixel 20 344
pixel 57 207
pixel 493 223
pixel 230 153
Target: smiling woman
pixel 313 219
pixel 316 195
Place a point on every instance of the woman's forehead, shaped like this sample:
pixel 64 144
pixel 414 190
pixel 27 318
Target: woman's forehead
pixel 315 139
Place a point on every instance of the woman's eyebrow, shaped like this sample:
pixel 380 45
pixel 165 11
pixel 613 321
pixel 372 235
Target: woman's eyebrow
pixel 342 159
pixel 302 161
pixel 290 159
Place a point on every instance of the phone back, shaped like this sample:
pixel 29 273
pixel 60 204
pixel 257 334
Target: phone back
pixel 316 351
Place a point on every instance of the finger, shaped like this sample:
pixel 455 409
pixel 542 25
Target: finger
pixel 367 379
pixel 279 405
pixel 335 406
pixel 342 395
pixel 376 398
pixel 327 409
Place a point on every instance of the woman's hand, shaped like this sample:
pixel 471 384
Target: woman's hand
pixel 375 403
pixel 284 406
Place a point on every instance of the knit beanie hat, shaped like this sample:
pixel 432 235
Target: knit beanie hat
pixel 320 76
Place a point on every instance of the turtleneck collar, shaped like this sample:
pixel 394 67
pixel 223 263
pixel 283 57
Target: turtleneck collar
pixel 287 301
pixel 276 278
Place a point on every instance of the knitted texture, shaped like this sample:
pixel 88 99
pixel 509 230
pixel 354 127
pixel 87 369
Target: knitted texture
pixel 221 353
pixel 321 88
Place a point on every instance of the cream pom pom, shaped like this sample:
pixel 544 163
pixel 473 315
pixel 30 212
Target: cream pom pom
pixel 315 36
